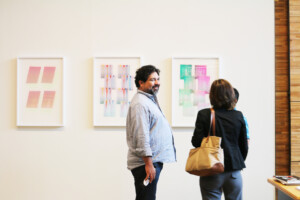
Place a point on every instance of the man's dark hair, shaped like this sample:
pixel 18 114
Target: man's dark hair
pixel 237 94
pixel 221 95
pixel 143 73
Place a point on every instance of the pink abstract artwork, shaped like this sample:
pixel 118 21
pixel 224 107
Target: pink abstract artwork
pixel 48 74
pixel 33 99
pixel 48 99
pixel 33 96
pixel 33 74
pixel 39 92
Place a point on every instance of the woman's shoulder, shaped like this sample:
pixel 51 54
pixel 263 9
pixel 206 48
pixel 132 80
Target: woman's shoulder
pixel 204 112
pixel 232 113
pixel 237 113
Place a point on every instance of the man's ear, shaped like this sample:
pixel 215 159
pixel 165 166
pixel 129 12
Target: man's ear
pixel 141 82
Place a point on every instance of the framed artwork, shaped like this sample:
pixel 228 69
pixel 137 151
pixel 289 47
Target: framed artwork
pixel 40 91
pixel 114 88
pixel 191 80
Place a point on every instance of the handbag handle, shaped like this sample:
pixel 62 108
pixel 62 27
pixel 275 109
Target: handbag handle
pixel 212 123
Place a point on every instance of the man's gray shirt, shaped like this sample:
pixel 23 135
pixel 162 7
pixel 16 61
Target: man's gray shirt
pixel 148 132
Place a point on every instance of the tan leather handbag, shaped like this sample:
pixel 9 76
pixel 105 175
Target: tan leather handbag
pixel 208 159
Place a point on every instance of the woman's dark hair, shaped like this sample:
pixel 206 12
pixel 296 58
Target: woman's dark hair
pixel 221 95
pixel 143 73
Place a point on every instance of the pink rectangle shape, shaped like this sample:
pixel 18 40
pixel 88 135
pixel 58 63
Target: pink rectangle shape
pixel 33 99
pixel 200 70
pixel 48 74
pixel 48 99
pixel 33 74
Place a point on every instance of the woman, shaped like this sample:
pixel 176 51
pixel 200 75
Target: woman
pixel 230 125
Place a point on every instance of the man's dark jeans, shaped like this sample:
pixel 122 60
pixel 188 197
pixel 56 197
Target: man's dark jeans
pixel 145 192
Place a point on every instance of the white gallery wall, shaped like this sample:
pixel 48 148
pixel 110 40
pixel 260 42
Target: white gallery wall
pixel 79 161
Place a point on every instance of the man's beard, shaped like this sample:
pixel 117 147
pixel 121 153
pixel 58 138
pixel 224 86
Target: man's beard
pixel 153 91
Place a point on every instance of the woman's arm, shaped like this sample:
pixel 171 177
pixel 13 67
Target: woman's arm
pixel 202 121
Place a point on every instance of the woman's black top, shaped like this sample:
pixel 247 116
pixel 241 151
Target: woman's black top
pixel 230 125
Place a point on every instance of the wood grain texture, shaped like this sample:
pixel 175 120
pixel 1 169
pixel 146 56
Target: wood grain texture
pixel 294 27
pixel 295 137
pixel 295 168
pixel 282 88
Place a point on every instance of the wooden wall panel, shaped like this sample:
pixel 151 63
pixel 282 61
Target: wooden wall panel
pixel 295 136
pixel 294 14
pixel 282 110
pixel 295 167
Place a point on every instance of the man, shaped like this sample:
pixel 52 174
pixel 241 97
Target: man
pixel 149 135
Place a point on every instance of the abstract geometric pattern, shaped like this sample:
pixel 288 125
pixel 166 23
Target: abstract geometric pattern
pixel 48 74
pixel 33 99
pixel 195 88
pixel 113 81
pixel 33 74
pixel 191 80
pixel 40 87
pixel 33 78
pixel 110 104
pixel 48 99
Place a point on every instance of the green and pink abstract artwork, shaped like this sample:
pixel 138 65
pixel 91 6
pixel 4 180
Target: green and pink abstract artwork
pixel 195 90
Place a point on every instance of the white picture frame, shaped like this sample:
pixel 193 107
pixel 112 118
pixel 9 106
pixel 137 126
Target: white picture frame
pixel 40 89
pixel 191 81
pixel 113 89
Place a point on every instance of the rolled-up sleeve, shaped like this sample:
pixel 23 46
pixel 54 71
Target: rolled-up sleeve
pixel 139 128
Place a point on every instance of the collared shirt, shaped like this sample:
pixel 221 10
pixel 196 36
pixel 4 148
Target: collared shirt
pixel 148 132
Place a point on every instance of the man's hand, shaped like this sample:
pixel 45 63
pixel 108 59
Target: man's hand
pixel 149 168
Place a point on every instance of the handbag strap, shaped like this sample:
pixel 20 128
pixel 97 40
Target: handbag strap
pixel 212 123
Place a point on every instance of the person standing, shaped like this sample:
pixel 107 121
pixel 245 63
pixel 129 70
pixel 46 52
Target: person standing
pixel 237 95
pixel 230 125
pixel 148 133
